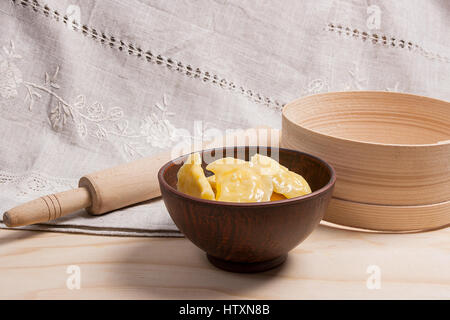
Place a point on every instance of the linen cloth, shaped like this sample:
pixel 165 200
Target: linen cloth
pixel 86 85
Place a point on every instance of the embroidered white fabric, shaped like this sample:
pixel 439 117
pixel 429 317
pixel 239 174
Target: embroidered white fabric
pixel 88 85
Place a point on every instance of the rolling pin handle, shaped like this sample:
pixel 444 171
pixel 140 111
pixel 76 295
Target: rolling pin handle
pixel 47 208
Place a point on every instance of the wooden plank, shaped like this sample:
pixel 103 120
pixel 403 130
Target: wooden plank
pixel 330 264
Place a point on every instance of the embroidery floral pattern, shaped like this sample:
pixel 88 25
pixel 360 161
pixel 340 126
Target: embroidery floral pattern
pixel 355 82
pixel 110 124
pixel 10 75
pixel 89 119
pixel 315 86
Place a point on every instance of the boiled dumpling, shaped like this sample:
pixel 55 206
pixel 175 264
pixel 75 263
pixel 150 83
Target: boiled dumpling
pixel 243 185
pixel 192 179
pixel 237 180
pixel 285 182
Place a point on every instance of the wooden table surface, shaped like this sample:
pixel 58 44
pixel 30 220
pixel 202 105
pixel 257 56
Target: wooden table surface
pixel 330 264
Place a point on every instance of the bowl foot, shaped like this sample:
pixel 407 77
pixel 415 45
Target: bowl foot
pixel 246 267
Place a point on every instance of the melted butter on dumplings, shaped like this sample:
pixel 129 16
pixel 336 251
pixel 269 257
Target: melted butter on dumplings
pixel 243 185
pixel 290 184
pixel 266 166
pixel 285 182
pixel 276 196
pixel 225 165
pixel 236 180
pixel 192 179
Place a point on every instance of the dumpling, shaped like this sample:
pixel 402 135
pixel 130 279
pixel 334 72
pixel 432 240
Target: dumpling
pixel 285 182
pixel 243 184
pixel 236 180
pixel 192 179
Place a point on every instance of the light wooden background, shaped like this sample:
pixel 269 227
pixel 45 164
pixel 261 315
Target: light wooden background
pixel 331 263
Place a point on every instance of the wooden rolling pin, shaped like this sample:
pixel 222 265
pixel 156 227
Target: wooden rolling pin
pixel 120 186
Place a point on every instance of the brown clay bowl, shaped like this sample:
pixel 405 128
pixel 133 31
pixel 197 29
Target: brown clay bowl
pixel 250 237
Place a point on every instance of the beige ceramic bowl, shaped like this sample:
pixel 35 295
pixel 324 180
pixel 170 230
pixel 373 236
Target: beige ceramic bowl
pixel 391 152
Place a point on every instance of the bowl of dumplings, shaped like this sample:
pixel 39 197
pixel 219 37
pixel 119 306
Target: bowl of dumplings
pixel 246 207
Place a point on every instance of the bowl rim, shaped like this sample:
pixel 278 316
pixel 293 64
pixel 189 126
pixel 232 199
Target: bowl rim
pixel 388 145
pixel 330 184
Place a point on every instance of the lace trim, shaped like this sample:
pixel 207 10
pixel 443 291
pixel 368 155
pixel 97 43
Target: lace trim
pixel 388 41
pixel 149 56
pixel 32 183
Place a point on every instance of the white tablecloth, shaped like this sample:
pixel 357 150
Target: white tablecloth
pixel 86 85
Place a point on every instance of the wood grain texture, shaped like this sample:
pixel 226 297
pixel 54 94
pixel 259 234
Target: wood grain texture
pixel 47 208
pixel 389 150
pixel 388 218
pixel 331 263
